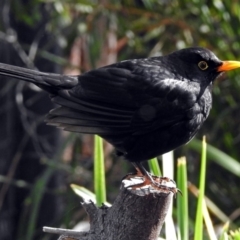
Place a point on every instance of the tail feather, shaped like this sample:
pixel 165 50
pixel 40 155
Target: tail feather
pixel 48 81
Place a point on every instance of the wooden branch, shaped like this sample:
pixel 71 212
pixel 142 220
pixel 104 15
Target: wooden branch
pixel 137 213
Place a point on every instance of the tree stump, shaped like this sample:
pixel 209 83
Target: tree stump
pixel 137 213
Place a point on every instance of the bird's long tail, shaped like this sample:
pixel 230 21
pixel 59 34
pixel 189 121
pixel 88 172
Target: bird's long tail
pixel 47 81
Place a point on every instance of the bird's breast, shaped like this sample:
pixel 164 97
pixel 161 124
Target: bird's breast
pixel 193 103
pixel 173 121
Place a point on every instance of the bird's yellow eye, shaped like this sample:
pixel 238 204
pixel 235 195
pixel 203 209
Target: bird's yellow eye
pixel 203 65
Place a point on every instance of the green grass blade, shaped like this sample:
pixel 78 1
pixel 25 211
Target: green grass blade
pixel 99 171
pixel 199 217
pixel 154 167
pixel 214 209
pixel 235 235
pixel 34 203
pixel 218 156
pixel 34 199
pixel 224 231
pixel 182 201
pixel 208 222
pixel 84 193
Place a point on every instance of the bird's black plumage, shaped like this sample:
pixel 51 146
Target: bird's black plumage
pixel 144 107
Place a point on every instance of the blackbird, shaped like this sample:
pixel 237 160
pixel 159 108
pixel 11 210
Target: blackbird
pixel 143 107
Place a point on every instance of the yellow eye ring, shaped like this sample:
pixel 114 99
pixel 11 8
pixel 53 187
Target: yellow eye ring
pixel 203 65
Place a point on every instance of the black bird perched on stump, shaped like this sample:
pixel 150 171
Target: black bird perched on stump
pixel 143 107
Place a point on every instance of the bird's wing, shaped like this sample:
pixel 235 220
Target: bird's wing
pixel 130 97
pixel 98 104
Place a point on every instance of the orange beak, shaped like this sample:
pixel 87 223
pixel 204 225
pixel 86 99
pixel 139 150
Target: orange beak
pixel 228 65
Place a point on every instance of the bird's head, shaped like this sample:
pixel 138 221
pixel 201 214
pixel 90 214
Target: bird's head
pixel 200 64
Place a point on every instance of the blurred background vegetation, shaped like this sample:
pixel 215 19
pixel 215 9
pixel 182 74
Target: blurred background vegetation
pixel 38 162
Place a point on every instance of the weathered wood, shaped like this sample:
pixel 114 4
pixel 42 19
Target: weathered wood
pixel 137 213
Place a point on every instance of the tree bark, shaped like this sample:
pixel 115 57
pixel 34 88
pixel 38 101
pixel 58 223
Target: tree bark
pixel 137 213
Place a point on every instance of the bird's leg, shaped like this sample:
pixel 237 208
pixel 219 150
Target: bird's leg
pixel 142 172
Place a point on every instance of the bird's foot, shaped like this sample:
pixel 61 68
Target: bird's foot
pixel 139 181
pixel 165 183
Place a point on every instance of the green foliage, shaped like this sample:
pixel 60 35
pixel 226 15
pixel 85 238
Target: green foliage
pixel 234 235
pixel 221 158
pixel 99 171
pixel 199 217
pixel 182 201
pixel 154 167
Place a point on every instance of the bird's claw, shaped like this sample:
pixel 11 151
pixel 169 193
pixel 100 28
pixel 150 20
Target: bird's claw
pixel 157 183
